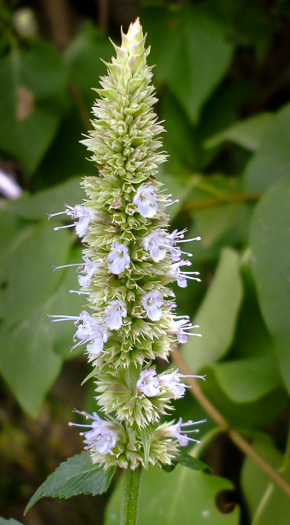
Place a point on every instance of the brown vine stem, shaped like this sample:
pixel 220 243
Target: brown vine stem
pixel 229 199
pixel 239 441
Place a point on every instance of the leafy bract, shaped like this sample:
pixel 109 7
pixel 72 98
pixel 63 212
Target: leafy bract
pixel 270 241
pixel 217 316
pixel 182 496
pixel 77 475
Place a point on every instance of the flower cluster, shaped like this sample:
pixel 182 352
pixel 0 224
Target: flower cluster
pixel 129 258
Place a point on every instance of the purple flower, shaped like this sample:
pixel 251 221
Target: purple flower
pixel 176 431
pixel 101 437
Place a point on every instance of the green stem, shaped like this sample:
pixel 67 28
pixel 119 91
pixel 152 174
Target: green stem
pixel 129 512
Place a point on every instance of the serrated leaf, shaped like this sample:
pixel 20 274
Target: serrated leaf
pixel 77 475
pixel 248 133
pixel 272 161
pixel 32 96
pixel 182 496
pixel 269 242
pixel 188 44
pixel 217 316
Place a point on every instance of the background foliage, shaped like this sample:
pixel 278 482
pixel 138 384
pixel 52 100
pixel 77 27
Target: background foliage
pixel 222 77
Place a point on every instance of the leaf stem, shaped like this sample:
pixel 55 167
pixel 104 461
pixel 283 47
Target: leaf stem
pixel 239 441
pixel 129 512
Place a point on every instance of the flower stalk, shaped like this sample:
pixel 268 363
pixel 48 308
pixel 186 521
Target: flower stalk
pixel 129 259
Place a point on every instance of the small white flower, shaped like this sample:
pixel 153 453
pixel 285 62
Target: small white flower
pixel 101 437
pixel 118 258
pixel 152 302
pixel 171 381
pixel 89 268
pixel 146 201
pixel 83 215
pixel 179 329
pixel 155 244
pixel 114 312
pixel 176 431
pixel 148 383
pixel 89 329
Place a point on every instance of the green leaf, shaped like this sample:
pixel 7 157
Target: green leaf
pixel 26 269
pixel 248 133
pixel 183 496
pixel 185 459
pixel 31 349
pixel 27 360
pixel 266 502
pixel 32 97
pixel 217 316
pixel 246 380
pixel 248 415
pixel 77 475
pixel 270 241
pixel 272 161
pixel 188 44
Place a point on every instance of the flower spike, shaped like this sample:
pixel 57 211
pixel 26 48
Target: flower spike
pixel 129 259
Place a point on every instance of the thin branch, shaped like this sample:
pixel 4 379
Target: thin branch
pixel 229 199
pixel 239 441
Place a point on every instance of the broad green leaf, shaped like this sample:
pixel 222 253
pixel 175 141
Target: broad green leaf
pixel 248 415
pixel 246 380
pixel 248 133
pixel 26 275
pixel 77 475
pixel 266 502
pixel 217 315
pixel 272 161
pixel 32 349
pixel 215 212
pixel 190 47
pixel 27 360
pixel 182 496
pixel 32 97
pixel 270 241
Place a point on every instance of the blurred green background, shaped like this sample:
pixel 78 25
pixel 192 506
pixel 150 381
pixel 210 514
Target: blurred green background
pixel 222 78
